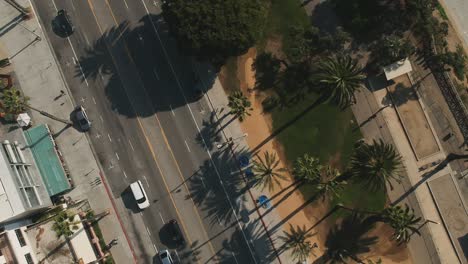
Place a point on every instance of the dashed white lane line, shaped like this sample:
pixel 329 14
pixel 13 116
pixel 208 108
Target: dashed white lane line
pixel 147 230
pixel 131 145
pixel 146 180
pixel 94 100
pixel 156 73
pixel 102 119
pixel 86 38
pixel 125 175
pixel 110 139
pixel 162 219
pixel 234 257
pixel 53 2
pixel 172 110
pixel 73 6
pixel 186 144
pixel 155 248
pixel 79 64
pixel 126 5
pixel 117 155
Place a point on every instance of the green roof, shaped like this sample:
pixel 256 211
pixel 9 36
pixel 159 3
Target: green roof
pixel 45 155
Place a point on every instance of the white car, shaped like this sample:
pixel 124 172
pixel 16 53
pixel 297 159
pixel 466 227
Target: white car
pixel 82 118
pixel 140 195
pixel 165 257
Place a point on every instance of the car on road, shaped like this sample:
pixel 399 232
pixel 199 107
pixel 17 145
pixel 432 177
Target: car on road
pixel 165 257
pixel 82 118
pixel 139 194
pixel 176 233
pixel 64 22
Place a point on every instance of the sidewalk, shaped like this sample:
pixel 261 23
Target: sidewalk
pixel 39 77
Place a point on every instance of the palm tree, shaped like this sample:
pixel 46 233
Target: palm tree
pixel 63 224
pixel 376 164
pixel 14 103
pixel 297 241
pixel 402 220
pixel 341 77
pixel 267 172
pixel 330 184
pixel 240 105
pixel 307 168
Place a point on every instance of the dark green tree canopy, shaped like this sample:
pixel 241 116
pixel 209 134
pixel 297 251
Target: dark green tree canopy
pixel 215 29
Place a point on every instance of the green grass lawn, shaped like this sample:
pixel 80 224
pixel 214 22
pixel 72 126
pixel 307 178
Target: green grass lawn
pixel 282 15
pixel 325 132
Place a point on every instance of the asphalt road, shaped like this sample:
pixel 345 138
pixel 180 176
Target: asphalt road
pixel 147 125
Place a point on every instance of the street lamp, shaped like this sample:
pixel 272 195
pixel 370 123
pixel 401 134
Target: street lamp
pixel 230 141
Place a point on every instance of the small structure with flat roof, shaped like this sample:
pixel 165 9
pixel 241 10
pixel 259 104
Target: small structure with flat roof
pixel 397 69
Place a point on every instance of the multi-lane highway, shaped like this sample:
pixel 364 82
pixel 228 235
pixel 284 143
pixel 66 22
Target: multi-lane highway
pixel 148 125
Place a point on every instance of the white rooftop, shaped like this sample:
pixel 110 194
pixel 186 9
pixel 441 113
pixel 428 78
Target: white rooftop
pixel 397 69
pixel 81 244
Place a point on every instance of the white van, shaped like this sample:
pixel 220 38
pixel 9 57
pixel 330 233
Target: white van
pixel 139 194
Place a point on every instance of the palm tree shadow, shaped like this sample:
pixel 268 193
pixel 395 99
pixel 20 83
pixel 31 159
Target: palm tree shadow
pixel 293 120
pixel 347 240
pixel 209 193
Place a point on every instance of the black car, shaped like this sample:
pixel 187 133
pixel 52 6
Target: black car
pixel 176 233
pixel 64 22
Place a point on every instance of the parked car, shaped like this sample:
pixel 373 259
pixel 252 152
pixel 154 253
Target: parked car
pixel 82 118
pixel 140 195
pixel 176 233
pixel 64 22
pixel 165 257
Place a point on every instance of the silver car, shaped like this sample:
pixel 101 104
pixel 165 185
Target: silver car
pixel 165 257
pixel 82 118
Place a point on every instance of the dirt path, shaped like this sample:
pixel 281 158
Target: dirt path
pixel 258 126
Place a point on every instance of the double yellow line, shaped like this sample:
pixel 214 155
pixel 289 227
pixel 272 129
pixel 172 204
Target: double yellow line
pixel 148 141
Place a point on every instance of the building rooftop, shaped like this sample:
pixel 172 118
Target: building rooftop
pixel 397 69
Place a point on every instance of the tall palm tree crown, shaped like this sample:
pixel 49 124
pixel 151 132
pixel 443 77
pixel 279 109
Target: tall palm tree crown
pixel 267 170
pixel 341 77
pixel 240 105
pixel 402 220
pixel 307 168
pixel 330 185
pixel 376 164
pixel 297 241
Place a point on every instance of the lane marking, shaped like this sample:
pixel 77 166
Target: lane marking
pixel 172 110
pixel 86 38
pixel 110 139
pixel 79 64
pixel 198 128
pixel 73 6
pixel 146 180
pixel 177 254
pixel 234 257
pixel 53 2
pixel 147 230
pixel 102 120
pixel 117 155
pixel 155 248
pixel 131 145
pixel 187 145
pixel 126 5
pixel 184 227
pixel 94 100
pixel 162 219
pixel 74 60
pixel 125 174
pixel 156 73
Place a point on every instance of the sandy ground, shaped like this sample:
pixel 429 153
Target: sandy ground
pixel 258 126
pixel 412 116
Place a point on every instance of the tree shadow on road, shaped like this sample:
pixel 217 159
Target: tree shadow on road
pixel 141 75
